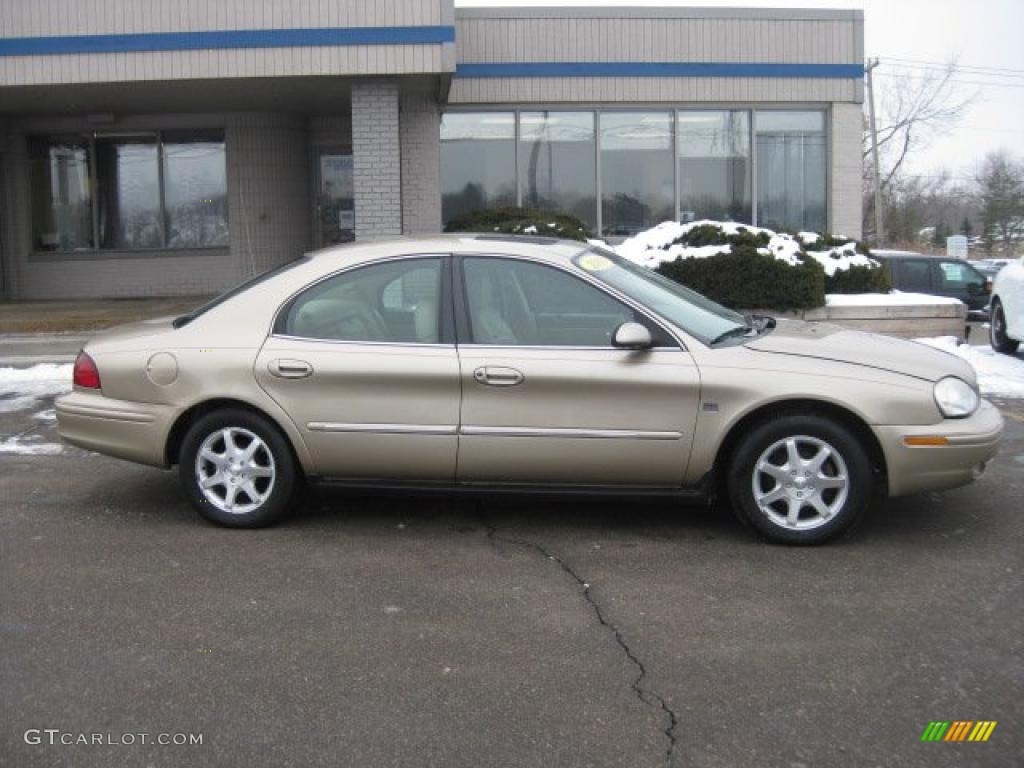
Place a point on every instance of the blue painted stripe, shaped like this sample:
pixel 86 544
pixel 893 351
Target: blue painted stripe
pixel 226 39
pixel 658 69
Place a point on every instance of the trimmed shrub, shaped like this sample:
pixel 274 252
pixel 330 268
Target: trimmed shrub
pixel 858 280
pixel 746 279
pixel 519 221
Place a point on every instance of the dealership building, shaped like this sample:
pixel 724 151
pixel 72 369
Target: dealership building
pixel 173 147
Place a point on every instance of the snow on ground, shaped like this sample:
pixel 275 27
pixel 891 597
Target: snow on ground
pixel 23 388
pixel 654 246
pixel 895 299
pixel 998 375
pixel 29 445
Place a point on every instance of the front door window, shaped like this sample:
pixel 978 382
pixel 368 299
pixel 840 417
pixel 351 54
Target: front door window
pixel 335 200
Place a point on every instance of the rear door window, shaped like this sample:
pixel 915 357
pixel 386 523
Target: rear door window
pixel 913 275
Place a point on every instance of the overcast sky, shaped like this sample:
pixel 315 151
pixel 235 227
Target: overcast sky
pixel 982 33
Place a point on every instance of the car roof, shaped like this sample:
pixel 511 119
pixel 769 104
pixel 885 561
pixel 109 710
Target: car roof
pixel 548 248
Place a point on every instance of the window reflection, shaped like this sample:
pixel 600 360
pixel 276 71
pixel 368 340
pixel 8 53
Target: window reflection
pixel 129 198
pixel 714 165
pixel 195 190
pixel 791 157
pixel 636 171
pixel 61 200
pixel 557 163
pixel 478 162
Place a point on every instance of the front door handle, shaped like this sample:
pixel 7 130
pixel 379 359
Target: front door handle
pixel 498 376
pixel 290 369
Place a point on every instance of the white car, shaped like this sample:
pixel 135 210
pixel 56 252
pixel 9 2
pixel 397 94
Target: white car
pixel 1006 327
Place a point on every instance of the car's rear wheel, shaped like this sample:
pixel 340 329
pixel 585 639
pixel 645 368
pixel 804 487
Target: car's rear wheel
pixel 1001 342
pixel 800 479
pixel 237 469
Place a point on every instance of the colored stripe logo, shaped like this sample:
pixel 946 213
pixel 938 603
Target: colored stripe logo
pixel 226 39
pixel 958 730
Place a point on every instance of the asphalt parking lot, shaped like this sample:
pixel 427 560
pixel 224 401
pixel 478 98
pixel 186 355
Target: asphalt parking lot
pixel 440 632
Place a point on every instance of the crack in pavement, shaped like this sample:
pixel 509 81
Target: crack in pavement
pixel 645 695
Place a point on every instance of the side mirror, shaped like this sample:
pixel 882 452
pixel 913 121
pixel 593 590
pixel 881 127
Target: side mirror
pixel 632 336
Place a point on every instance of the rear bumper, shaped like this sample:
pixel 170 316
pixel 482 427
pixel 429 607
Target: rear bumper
pixel 972 442
pixel 127 430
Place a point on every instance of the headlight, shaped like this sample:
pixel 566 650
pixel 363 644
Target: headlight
pixel 955 398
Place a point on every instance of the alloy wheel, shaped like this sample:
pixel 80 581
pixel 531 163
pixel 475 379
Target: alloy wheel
pixel 800 482
pixel 235 470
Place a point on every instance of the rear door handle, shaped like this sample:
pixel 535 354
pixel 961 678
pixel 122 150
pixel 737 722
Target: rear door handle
pixel 290 369
pixel 498 376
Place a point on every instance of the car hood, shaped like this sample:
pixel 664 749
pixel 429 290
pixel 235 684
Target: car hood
pixel 824 341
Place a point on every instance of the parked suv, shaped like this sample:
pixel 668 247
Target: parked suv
pixel 938 276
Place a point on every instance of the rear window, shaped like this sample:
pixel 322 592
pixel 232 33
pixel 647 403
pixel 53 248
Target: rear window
pixel 240 288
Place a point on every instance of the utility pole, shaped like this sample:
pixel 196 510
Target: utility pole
pixel 879 222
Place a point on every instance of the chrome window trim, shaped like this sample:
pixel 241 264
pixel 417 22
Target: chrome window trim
pixel 567 432
pixel 566 347
pixel 349 342
pixel 383 429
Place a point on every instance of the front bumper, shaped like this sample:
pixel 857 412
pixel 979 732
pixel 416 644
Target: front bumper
pixel 971 443
pixel 127 430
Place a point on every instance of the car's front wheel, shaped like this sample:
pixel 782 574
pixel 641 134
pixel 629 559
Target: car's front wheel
pixel 800 479
pixel 1001 342
pixel 237 469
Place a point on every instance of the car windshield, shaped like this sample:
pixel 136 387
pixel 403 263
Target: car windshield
pixel 695 314
pixel 232 292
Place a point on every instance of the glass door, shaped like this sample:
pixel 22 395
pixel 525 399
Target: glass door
pixel 335 220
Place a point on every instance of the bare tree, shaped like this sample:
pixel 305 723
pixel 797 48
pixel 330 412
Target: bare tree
pixel 914 107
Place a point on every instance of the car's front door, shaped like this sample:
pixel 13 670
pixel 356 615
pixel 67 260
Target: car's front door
pixel 364 362
pixel 547 399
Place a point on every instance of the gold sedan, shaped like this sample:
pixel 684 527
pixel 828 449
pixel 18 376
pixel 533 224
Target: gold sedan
pixel 497 363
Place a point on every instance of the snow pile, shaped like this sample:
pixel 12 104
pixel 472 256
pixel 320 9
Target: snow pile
pixel 894 299
pixel 30 445
pixel 662 244
pixel 998 375
pixel 24 388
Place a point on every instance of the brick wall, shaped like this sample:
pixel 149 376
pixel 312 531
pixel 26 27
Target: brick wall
pixel 376 159
pixel 419 130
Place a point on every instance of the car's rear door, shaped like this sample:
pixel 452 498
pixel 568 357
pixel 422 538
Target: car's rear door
pixel 959 280
pixel 365 364
pixel 546 397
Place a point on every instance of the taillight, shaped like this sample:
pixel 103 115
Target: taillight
pixel 86 374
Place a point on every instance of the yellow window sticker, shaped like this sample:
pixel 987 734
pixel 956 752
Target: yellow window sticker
pixel 593 262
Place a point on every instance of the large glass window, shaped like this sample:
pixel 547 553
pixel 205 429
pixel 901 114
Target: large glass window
pixel 396 301
pixel 713 171
pixel 478 162
pixel 557 163
pixel 129 191
pixel 195 189
pixel 791 169
pixel 61 196
pixel 129 197
pixel 714 165
pixel 637 184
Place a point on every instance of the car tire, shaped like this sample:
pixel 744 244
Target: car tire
pixel 765 484
pixel 237 469
pixel 997 331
